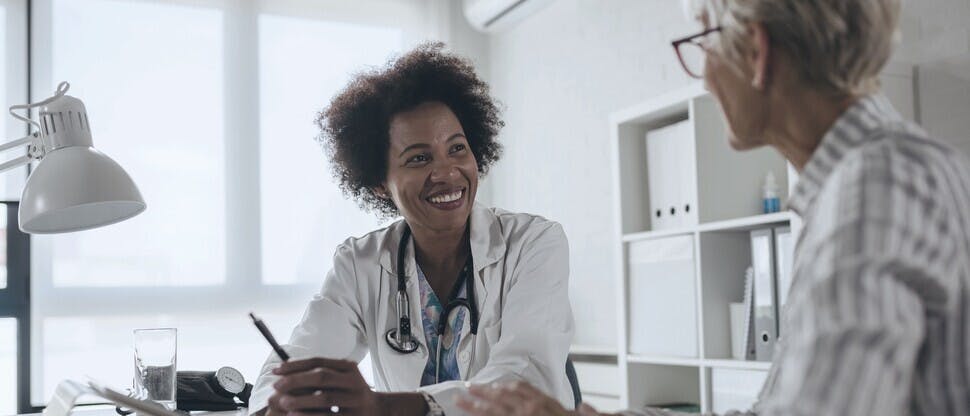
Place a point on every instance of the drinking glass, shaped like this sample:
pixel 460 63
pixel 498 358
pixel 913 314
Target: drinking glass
pixel 155 365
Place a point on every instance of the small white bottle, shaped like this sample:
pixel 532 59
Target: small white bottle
pixel 771 203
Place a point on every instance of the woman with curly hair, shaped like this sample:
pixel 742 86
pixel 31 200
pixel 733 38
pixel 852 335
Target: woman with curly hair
pixel 452 294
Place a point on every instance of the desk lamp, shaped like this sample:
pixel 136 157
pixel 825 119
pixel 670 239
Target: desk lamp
pixel 74 187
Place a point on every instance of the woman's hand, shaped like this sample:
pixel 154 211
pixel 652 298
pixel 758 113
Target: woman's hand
pixel 514 399
pixel 317 385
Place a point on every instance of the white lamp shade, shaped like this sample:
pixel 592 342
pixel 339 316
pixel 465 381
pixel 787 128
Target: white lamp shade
pixel 77 188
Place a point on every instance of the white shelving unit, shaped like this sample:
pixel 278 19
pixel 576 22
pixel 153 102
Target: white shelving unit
pixel 728 206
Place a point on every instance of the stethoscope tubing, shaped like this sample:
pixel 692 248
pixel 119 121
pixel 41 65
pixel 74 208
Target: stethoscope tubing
pixel 401 339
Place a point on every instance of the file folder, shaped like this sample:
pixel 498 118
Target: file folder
pixel 748 331
pixel 765 297
pixel 672 176
pixel 784 252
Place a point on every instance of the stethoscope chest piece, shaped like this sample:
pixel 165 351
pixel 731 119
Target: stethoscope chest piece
pixel 403 346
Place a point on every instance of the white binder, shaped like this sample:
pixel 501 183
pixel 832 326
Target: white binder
pixel 765 298
pixel 784 253
pixel 671 176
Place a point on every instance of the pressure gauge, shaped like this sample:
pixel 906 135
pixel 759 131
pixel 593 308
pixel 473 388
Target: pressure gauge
pixel 230 380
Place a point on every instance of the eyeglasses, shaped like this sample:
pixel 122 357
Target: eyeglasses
pixel 692 52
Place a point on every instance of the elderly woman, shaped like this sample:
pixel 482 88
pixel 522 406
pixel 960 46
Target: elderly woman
pixel 452 293
pixel 879 308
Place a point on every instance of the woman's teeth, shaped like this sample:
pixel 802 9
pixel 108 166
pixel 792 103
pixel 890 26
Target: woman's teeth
pixel 441 199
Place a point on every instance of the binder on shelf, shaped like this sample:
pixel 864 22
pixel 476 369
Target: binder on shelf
pixel 765 298
pixel 672 176
pixel 748 332
pixel 784 252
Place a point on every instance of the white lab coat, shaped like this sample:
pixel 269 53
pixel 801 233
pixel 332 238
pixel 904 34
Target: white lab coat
pixel 521 265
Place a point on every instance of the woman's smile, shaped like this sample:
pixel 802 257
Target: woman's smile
pixel 447 199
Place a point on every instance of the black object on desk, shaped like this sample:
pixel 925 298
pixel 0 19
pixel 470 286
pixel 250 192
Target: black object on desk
pixel 220 390
pixel 209 390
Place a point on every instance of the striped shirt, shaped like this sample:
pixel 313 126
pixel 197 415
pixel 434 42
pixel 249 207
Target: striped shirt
pixel 878 315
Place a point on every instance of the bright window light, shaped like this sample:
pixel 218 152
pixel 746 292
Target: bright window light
pixel 151 75
pixel 300 70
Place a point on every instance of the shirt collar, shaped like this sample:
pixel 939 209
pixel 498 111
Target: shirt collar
pixel 486 242
pixel 852 129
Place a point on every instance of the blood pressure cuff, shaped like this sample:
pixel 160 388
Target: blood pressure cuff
pixel 194 391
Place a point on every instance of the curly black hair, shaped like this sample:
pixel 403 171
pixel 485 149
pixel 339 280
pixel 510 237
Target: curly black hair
pixel 355 127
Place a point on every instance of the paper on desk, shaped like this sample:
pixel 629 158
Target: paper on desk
pixel 68 391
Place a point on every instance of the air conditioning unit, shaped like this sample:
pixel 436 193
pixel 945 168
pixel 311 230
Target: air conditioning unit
pixel 496 15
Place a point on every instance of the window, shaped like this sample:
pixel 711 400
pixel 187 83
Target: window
pixel 209 106
pixel 300 203
pixel 155 101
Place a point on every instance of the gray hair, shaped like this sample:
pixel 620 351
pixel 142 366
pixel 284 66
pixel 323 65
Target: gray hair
pixel 836 45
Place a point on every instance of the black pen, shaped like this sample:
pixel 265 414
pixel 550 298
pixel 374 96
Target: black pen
pixel 269 337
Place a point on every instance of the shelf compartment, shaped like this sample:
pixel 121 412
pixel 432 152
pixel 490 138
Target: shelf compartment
pixel 598 378
pixel 662 297
pixel 724 258
pixel 631 154
pixel 654 385
pixel 734 389
pixel 730 183
pixel 723 183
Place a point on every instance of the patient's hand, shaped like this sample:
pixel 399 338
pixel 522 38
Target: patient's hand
pixel 514 399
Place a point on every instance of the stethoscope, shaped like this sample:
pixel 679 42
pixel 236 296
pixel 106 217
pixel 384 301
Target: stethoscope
pixel 400 339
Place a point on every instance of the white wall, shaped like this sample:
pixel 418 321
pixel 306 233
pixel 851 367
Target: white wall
pixel 936 39
pixel 563 70
pixel 944 96
pixel 559 74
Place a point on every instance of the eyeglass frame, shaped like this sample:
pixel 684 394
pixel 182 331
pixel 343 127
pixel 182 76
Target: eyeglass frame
pixel 690 39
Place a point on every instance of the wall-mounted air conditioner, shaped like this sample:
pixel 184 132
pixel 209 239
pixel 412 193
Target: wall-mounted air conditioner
pixel 496 15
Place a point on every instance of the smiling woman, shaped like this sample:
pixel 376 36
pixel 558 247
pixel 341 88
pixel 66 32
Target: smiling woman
pixel 358 122
pixel 489 286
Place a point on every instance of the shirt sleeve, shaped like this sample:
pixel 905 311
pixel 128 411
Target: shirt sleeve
pixel 332 327
pixel 864 282
pixel 536 326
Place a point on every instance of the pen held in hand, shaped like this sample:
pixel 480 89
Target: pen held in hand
pixel 269 337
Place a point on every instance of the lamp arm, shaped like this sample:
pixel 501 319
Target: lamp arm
pixel 35 150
